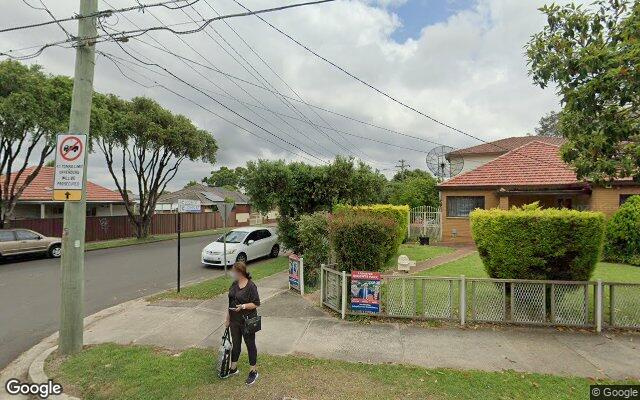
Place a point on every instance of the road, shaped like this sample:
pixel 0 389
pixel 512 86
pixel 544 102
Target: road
pixel 30 289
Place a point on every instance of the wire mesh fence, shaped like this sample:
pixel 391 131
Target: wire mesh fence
pixel 530 302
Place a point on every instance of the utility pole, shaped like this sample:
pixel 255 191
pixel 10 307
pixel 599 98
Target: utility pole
pixel 403 166
pixel 72 262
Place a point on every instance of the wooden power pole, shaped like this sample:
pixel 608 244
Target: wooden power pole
pixel 72 262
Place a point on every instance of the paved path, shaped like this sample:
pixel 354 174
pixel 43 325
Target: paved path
pixel 459 253
pixel 291 325
pixel 30 289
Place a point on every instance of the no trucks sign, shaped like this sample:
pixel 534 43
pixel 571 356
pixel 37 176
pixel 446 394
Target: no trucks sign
pixel 68 178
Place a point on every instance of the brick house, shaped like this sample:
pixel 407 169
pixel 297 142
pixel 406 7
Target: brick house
pixel 517 171
pixel 37 201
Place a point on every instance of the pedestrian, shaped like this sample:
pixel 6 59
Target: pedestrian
pixel 243 304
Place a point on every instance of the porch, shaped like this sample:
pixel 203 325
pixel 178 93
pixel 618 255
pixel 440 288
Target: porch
pixel 575 199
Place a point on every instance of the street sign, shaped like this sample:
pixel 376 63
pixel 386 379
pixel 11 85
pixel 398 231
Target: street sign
pixel 225 211
pixel 69 171
pixel 189 206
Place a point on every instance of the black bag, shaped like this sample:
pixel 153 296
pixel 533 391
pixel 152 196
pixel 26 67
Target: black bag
pixel 252 325
pixel 224 356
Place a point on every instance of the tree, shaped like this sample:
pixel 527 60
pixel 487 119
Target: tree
pixel 414 191
pixel 150 142
pixel 190 183
pixel 592 56
pixel 33 108
pixel 227 178
pixel 298 188
pixel 548 125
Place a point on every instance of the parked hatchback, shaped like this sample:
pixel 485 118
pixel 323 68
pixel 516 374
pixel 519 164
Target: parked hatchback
pixel 24 241
pixel 243 244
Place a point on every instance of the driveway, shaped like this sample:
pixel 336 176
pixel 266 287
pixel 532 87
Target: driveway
pixel 30 289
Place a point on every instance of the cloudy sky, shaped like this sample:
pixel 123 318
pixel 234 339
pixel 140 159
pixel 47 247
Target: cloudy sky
pixel 460 61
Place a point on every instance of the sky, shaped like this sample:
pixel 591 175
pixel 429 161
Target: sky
pixel 460 62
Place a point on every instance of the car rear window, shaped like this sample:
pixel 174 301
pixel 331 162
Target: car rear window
pixel 26 235
pixel 6 236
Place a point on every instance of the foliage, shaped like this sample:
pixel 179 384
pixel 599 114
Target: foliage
pixel 190 183
pixel 535 243
pixel 298 188
pixel 592 55
pixel 150 143
pixel 231 179
pixel 362 241
pixel 400 214
pixel 622 237
pixel 34 107
pixel 313 237
pixel 548 125
pixel 413 191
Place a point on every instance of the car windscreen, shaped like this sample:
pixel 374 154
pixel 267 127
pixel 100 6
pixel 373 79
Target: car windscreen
pixel 233 237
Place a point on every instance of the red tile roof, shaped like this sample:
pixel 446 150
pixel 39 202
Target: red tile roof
pixel 41 188
pixel 534 164
pixel 504 145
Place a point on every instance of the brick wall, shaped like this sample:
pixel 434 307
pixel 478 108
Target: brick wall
pixel 607 200
pixel 461 224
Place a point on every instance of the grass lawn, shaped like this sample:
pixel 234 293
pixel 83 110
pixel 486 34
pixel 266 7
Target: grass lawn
pixel 112 371
pixel 471 266
pixel 107 244
pixel 213 287
pixel 419 253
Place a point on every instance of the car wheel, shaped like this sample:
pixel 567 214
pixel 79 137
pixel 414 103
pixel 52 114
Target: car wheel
pixel 275 250
pixel 55 251
pixel 241 258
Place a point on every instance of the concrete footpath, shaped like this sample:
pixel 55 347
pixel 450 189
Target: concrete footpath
pixel 292 325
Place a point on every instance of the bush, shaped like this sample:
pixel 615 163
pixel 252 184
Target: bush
pixel 313 237
pixel 400 214
pixel 622 237
pixel 535 243
pixel 288 234
pixel 362 241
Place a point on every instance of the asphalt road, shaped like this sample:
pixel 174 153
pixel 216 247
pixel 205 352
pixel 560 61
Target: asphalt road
pixel 30 289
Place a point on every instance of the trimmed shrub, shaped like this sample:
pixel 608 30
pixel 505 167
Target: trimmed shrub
pixel 622 237
pixel 535 243
pixel 288 234
pixel 313 237
pixel 400 214
pixel 362 241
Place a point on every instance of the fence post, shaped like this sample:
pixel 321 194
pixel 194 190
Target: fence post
pixel 302 276
pixel 599 306
pixel 463 300
pixel 321 285
pixel 344 294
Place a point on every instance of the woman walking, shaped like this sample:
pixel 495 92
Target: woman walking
pixel 243 302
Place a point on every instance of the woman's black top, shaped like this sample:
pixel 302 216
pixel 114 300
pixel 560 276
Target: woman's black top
pixel 237 296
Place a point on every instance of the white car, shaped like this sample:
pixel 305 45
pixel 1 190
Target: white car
pixel 243 244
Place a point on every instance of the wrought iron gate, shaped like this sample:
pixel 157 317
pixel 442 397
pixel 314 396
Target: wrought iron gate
pixel 425 221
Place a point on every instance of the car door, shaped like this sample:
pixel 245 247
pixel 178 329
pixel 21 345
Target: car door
pixel 8 244
pixel 252 250
pixel 29 241
pixel 266 242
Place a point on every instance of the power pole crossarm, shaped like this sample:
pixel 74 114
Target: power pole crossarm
pixel 72 262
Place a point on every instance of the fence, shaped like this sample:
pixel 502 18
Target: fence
pixel 424 221
pixel 118 227
pixel 590 304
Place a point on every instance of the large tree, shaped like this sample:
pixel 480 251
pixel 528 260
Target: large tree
pixel 592 55
pixel 34 107
pixel 226 177
pixel 298 188
pixel 141 139
pixel 548 125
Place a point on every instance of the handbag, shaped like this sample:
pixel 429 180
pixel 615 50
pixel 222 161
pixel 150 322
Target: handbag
pixel 252 325
pixel 224 356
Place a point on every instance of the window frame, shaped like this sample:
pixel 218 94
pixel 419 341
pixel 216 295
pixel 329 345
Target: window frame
pixel 451 198
pixel 624 197
pixel 18 238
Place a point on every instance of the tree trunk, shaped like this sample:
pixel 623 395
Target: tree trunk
pixel 143 226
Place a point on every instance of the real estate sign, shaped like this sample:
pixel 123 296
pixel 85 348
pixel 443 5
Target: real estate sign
pixel 69 172
pixel 189 206
pixel 296 273
pixel 365 291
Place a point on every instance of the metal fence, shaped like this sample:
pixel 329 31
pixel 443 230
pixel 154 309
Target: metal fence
pixel 424 221
pixel 592 304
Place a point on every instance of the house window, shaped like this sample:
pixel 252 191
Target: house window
pixel 624 197
pixel 461 206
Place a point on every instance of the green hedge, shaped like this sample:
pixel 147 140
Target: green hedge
pixel 622 238
pixel 362 241
pixel 400 214
pixel 534 243
pixel 313 238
